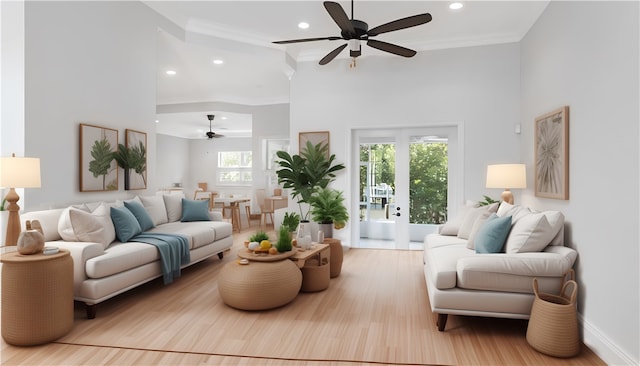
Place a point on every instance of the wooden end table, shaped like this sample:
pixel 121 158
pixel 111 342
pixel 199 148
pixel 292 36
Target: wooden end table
pixel 37 297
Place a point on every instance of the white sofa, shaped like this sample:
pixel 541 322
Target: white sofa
pixel 462 281
pixel 105 267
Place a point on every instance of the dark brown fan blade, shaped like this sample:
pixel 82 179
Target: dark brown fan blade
pixel 403 23
pixel 308 40
pixel 331 55
pixel 391 48
pixel 339 16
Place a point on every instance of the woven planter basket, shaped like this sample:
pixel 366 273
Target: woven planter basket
pixel 553 325
pixel 315 277
pixel 259 285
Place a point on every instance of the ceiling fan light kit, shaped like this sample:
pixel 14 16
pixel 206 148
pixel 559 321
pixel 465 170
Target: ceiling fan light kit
pixel 353 31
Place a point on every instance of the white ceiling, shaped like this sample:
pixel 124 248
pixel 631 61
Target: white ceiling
pixel 254 70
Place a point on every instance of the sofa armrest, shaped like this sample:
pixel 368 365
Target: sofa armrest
pixel 554 261
pixel 80 252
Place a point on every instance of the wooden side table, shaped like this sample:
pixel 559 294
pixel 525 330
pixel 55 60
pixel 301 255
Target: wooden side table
pixel 37 297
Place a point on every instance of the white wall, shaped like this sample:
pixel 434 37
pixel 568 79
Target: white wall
pixel 585 55
pixel 86 62
pixel 478 87
pixel 172 155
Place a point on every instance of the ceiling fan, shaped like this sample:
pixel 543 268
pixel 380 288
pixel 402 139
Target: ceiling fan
pixel 354 31
pixel 212 134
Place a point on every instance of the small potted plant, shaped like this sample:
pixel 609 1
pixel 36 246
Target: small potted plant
pixel 284 240
pixel 328 210
pixel 291 221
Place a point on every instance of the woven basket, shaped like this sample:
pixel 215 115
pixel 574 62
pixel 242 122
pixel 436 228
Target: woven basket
pixel 315 277
pixel 553 325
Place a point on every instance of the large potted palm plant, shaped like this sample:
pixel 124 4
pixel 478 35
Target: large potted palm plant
pixel 307 173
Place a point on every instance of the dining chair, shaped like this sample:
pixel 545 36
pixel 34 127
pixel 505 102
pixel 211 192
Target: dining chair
pixel 202 193
pixel 266 209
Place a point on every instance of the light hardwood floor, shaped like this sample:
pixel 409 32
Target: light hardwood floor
pixel 376 312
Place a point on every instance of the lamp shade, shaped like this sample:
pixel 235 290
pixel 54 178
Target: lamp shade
pixel 20 172
pixel 507 176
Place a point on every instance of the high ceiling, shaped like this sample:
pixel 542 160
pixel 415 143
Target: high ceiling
pixel 254 72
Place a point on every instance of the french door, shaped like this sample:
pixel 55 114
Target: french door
pixel 395 207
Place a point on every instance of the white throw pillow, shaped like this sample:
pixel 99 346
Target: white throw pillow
pixel 173 204
pixel 471 217
pixel 156 209
pixel 532 233
pixel 515 211
pixel 79 225
pixel 476 227
pixel 451 227
pixel 556 220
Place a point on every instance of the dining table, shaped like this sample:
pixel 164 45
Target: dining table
pixel 233 203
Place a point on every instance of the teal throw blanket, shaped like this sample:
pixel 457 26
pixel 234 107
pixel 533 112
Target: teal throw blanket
pixel 173 249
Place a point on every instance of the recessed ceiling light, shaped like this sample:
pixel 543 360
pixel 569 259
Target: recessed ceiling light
pixel 157 121
pixel 218 61
pixel 456 6
pixel 171 72
pixel 223 117
pixel 303 25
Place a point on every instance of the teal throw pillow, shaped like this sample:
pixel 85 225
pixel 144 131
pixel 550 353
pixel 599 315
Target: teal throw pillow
pixel 492 235
pixel 127 226
pixel 141 214
pixel 195 210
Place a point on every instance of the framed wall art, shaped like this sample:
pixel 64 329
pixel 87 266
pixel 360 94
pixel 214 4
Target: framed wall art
pixel 551 154
pixel 313 137
pixel 98 168
pixel 136 175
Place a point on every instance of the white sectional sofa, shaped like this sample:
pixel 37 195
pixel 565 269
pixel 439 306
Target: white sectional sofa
pixel 105 266
pixel 463 278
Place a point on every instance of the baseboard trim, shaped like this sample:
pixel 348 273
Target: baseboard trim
pixel 602 346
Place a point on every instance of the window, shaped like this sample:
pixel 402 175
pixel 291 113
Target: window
pixel 234 168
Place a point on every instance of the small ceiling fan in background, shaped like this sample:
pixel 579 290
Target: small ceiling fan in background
pixel 212 134
pixel 354 31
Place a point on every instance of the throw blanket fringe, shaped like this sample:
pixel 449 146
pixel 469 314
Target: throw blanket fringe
pixel 173 249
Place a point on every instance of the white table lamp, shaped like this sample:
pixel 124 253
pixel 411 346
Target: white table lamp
pixel 507 176
pixel 17 173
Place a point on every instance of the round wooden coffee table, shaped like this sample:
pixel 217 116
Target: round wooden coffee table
pixel 259 285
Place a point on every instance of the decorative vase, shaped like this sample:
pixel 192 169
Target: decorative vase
pixel 303 237
pixel 30 242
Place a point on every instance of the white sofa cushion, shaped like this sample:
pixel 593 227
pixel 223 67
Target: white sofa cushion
pixel 76 224
pixel 441 264
pixel 476 227
pixel 556 220
pixel 120 257
pixel 156 209
pixel 531 233
pixel 49 220
pixel 515 272
pixel 173 203
pixel 452 226
pixel 471 217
